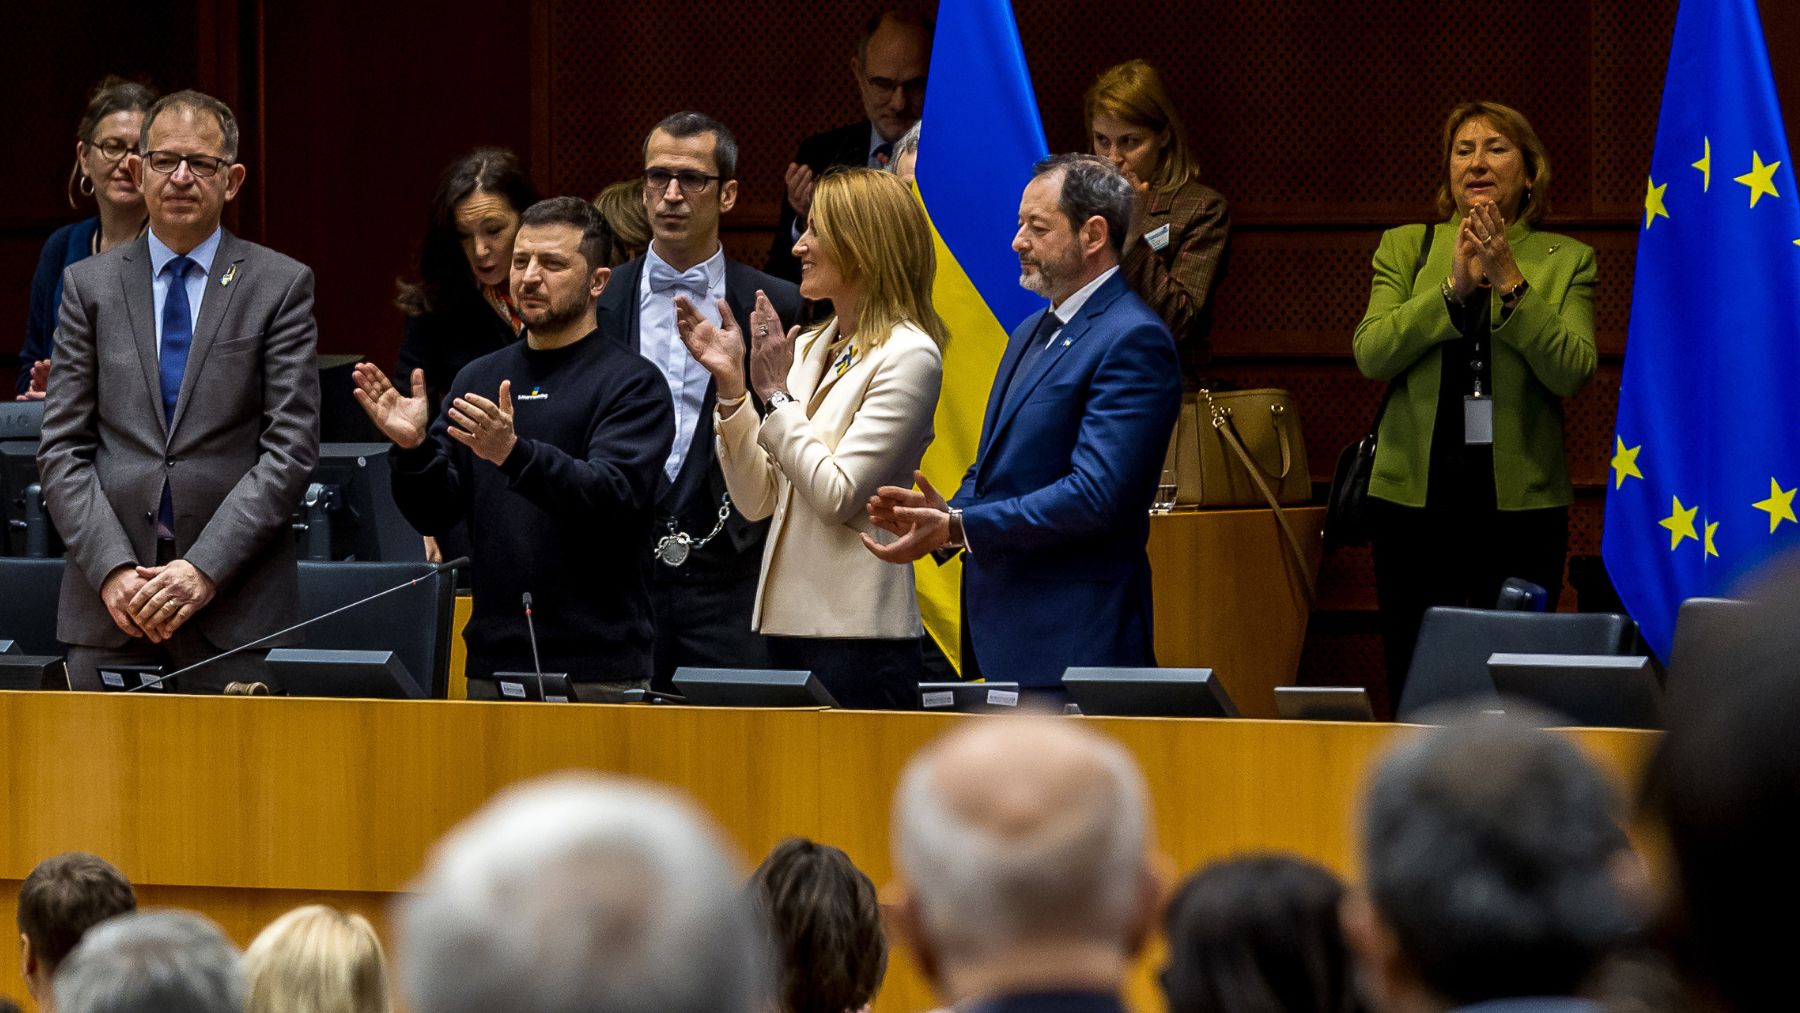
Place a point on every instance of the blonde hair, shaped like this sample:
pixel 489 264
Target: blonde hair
pixel 869 224
pixel 1512 125
pixel 622 205
pixel 317 959
pixel 1133 93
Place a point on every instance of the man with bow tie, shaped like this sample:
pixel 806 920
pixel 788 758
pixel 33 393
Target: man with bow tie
pixel 707 555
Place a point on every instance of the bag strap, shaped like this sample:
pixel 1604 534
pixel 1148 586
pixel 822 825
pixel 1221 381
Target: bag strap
pixel 1418 267
pixel 1236 443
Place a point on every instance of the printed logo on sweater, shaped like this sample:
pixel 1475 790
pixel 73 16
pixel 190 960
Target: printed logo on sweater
pixel 537 394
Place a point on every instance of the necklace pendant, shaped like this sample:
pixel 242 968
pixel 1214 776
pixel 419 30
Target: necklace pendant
pixel 672 549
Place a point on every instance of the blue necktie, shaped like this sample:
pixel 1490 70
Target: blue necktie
pixel 1040 337
pixel 177 335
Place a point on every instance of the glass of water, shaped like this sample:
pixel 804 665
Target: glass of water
pixel 1165 493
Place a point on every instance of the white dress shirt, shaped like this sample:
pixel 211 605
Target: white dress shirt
pixel 160 255
pixel 661 343
pixel 1072 305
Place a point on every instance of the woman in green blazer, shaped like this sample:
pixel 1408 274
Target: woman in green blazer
pixel 1481 333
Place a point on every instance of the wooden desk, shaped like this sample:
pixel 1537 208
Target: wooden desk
pixel 243 807
pixel 1228 597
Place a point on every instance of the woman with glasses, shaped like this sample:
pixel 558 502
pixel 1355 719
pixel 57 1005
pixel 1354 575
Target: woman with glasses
pixel 107 133
pixel 1178 241
pixel 850 405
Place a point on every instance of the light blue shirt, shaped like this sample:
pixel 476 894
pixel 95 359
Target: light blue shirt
pixel 660 342
pixel 160 255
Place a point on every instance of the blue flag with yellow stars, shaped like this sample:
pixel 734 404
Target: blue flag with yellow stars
pixel 1706 454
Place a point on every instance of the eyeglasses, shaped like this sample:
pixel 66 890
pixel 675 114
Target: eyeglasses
pixel 657 180
pixel 166 162
pixel 112 149
pixel 885 87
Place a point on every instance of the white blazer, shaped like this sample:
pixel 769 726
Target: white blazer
pixel 813 464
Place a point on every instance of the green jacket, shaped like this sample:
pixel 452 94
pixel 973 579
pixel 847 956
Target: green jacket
pixel 1543 351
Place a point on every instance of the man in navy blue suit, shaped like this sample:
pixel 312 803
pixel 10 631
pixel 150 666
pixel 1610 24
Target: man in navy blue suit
pixel 1054 513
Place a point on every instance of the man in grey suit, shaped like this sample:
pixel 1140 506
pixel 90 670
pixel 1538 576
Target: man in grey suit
pixel 181 422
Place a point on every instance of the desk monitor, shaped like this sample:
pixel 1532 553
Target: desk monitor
pixel 368 674
pixel 751 687
pixel 348 511
pixel 21 420
pixel 969 697
pixel 1323 703
pixel 10 647
pixel 1603 691
pixel 136 679
pixel 27 531
pixel 1149 692
pixel 32 671
pixel 522 686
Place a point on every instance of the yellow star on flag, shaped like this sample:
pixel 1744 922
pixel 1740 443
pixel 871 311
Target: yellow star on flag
pixel 1653 201
pixel 1779 505
pixel 1705 167
pixel 1624 463
pixel 1760 179
pixel 1680 523
pixel 1710 529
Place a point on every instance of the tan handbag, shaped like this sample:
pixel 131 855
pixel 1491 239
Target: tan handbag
pixel 1242 448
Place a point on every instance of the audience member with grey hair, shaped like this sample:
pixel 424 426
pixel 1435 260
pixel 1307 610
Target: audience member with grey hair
pixel 1054 512
pixel 1492 860
pixel 152 962
pixel 906 154
pixel 582 895
pixel 1029 883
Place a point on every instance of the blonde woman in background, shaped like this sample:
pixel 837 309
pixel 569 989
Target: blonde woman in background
pixel 622 205
pixel 317 959
pixel 848 410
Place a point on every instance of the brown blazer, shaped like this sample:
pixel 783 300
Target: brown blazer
pixel 1179 280
pixel 243 442
pixel 813 465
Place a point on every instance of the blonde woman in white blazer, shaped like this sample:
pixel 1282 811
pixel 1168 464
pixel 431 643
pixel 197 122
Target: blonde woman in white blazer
pixel 847 408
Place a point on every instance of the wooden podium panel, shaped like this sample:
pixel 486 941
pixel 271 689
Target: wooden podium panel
pixel 1228 597
pixel 243 807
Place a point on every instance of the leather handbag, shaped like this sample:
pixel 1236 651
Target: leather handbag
pixel 1346 505
pixel 1242 448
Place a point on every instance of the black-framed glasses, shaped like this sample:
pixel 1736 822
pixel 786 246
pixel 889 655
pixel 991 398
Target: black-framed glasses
pixel 166 162
pixel 658 180
pixel 112 149
pixel 885 87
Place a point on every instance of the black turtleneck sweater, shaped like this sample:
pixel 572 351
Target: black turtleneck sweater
pixel 567 517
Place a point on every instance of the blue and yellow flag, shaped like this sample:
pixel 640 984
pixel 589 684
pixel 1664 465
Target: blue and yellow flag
pixel 1706 455
pixel 980 137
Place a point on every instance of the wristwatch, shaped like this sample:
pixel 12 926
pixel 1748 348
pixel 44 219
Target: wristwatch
pixel 779 398
pixel 957 540
pixel 1517 291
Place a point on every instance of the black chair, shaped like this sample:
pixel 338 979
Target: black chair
pixel 413 623
pixel 1704 629
pixel 1449 662
pixel 29 589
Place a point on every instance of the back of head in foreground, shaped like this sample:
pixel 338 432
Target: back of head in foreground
pixel 1727 786
pixel 152 962
pixel 1024 844
pixel 317 959
pixel 581 895
pixel 1491 857
pixel 1258 933
pixel 826 923
pixel 60 900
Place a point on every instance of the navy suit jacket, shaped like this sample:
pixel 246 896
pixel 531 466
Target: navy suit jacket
pixel 1056 505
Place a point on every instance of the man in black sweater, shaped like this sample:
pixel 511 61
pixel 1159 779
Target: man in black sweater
pixel 556 475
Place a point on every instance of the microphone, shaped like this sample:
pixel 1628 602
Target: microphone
pixel 531 631
pixel 454 564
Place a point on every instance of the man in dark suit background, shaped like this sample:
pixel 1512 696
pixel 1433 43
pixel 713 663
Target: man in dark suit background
pixel 1054 513
pixel 703 587
pixel 893 52
pixel 181 422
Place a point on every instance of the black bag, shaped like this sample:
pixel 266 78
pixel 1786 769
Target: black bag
pixel 1346 505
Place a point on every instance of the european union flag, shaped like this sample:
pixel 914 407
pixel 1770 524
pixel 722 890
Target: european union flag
pixel 1706 455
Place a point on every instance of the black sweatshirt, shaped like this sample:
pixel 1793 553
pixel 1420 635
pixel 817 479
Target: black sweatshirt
pixel 568 515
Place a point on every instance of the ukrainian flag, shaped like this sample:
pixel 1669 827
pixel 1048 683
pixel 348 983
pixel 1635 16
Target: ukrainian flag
pixel 1706 454
pixel 980 137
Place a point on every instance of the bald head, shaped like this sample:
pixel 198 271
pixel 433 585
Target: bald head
pixel 1018 831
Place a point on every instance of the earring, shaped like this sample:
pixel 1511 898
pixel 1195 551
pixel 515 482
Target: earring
pixel 86 186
